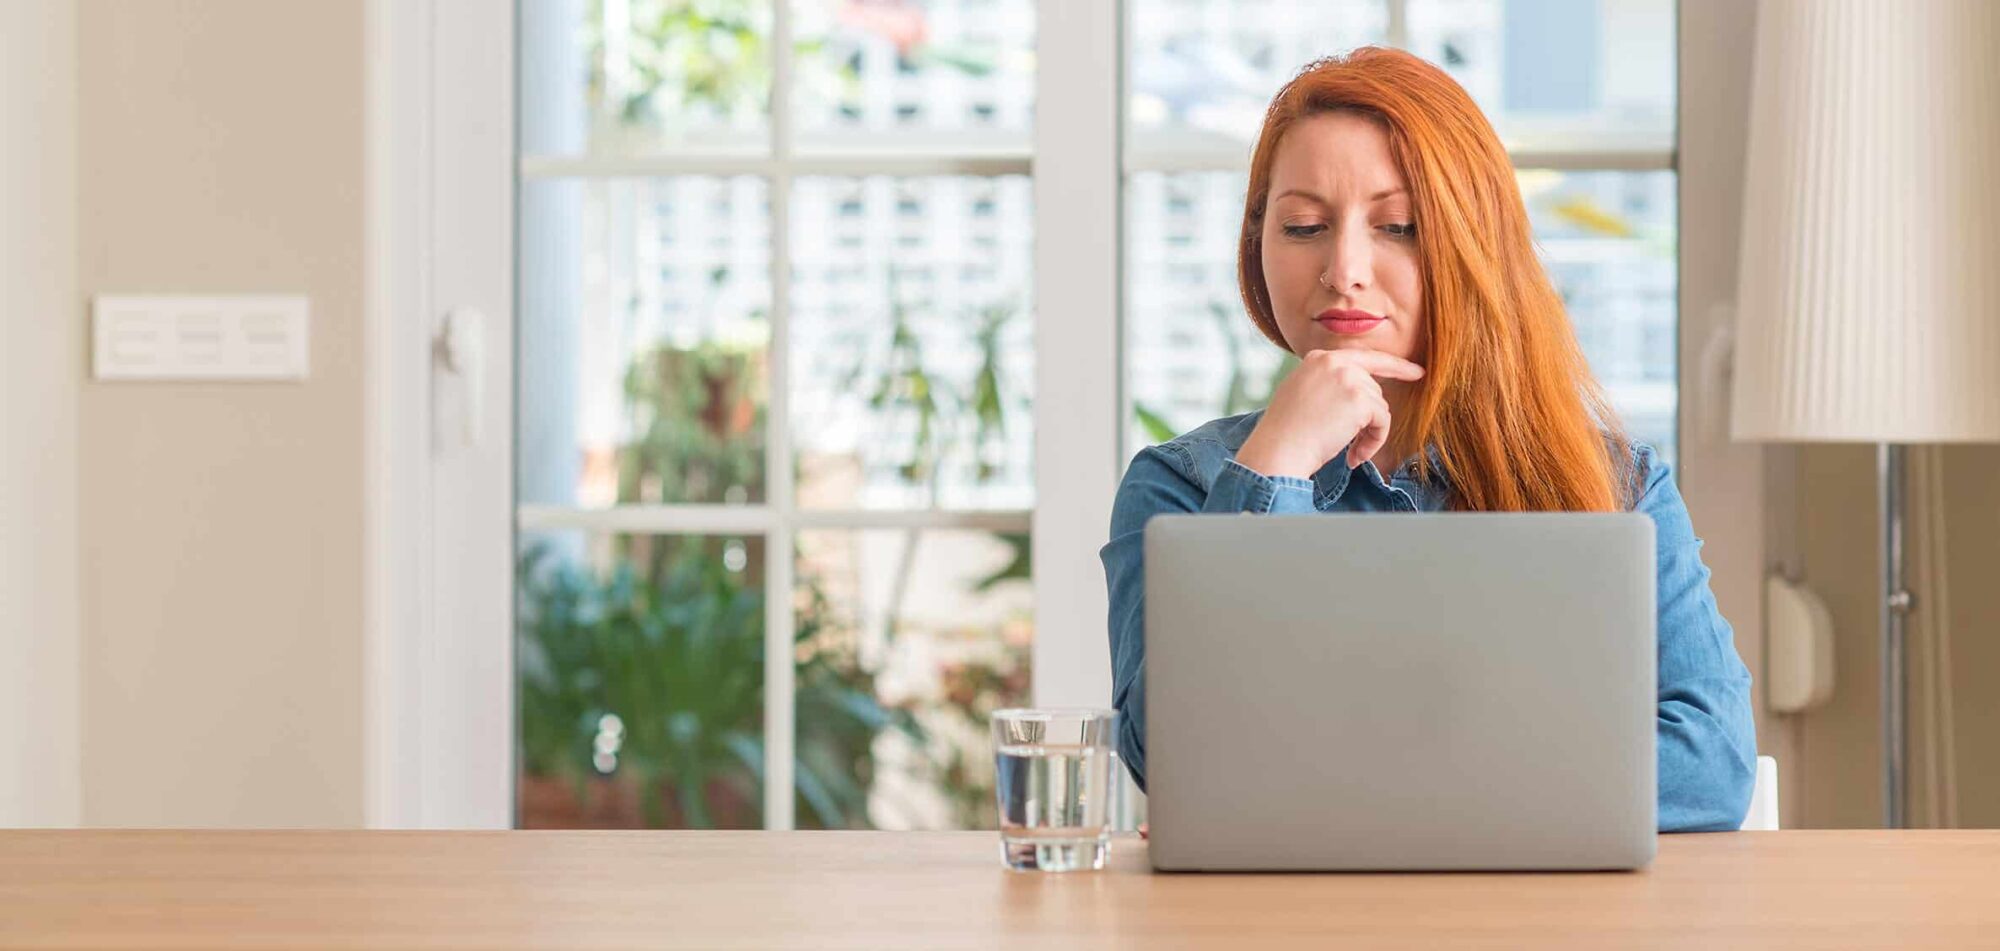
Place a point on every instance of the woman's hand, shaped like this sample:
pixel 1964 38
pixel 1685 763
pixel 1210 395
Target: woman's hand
pixel 1331 399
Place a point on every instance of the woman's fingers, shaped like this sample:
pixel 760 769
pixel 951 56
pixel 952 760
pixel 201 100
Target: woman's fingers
pixel 1373 435
pixel 1386 365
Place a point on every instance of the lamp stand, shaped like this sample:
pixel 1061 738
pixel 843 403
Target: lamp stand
pixel 1896 604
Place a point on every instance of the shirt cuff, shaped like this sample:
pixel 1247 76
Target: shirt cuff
pixel 1239 488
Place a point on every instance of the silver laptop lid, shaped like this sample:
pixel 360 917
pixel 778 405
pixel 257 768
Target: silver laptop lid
pixel 1401 691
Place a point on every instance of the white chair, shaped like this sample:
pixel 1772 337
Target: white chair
pixel 1763 815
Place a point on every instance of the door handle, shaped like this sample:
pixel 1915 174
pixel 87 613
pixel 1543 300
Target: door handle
pixel 460 350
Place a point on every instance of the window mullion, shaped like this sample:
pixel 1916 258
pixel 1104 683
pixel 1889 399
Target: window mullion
pixel 779 708
pixel 1077 130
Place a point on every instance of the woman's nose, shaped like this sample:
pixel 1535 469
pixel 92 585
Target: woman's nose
pixel 1349 267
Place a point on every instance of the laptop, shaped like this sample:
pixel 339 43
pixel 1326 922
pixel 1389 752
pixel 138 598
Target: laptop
pixel 1400 691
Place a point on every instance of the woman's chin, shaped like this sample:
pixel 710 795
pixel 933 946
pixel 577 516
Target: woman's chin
pixel 1379 338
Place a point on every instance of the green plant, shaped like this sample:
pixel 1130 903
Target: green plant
pixel 675 667
pixel 677 662
pixel 839 718
pixel 906 385
pixel 951 417
pixel 681 59
pixel 653 669
pixel 973 689
pixel 700 429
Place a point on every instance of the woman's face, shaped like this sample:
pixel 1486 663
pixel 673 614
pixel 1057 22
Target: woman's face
pixel 1339 242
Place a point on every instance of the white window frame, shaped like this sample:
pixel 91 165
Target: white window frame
pixel 438 644
pixel 440 729
pixel 439 736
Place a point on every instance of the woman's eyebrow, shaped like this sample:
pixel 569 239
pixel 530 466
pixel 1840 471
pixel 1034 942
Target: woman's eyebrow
pixel 1302 193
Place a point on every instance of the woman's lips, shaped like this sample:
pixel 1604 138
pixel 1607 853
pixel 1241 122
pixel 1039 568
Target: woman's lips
pixel 1347 321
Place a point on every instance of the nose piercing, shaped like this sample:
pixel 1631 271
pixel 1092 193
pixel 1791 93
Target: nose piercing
pixel 1323 282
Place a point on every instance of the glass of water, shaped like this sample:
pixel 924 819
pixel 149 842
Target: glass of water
pixel 1053 779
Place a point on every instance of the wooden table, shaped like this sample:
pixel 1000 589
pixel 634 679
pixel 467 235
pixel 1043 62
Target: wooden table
pixel 873 890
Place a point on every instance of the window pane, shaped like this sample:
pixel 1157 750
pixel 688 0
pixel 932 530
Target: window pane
pixel 1559 73
pixel 1580 74
pixel 1202 71
pixel 943 74
pixel 641 673
pixel 1607 239
pixel 912 342
pixel 644 329
pixel 1192 353
pixel 908 641
pixel 637 76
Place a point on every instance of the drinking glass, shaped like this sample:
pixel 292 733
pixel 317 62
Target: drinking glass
pixel 1052 772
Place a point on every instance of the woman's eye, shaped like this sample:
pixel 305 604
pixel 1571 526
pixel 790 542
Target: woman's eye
pixel 1401 230
pixel 1303 231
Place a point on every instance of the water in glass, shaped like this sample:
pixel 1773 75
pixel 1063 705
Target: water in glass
pixel 1052 779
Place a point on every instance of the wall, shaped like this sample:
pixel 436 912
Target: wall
pixel 1837 549
pixel 1971 496
pixel 41 365
pixel 1840 547
pixel 222 152
pixel 1727 486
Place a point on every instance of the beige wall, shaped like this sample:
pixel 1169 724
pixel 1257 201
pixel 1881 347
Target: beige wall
pixel 222 152
pixel 1971 492
pixel 1839 548
pixel 1839 785
pixel 41 365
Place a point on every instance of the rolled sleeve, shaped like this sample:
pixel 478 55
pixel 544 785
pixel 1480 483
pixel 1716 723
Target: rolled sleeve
pixel 1239 488
pixel 1707 736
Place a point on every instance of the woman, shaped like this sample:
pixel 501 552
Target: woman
pixel 1385 243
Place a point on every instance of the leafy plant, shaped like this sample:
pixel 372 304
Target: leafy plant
pixel 985 403
pixel 950 417
pixel 653 669
pixel 973 689
pixel 674 666
pixel 947 416
pixel 676 60
pixel 649 672
pixel 671 670
pixel 839 719
pixel 700 428
pixel 905 384
pixel 680 58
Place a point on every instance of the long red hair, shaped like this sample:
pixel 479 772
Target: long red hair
pixel 1508 401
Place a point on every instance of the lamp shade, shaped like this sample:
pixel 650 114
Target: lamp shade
pixel 1868 305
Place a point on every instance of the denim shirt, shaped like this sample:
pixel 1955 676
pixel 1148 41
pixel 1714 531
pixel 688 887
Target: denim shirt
pixel 1707 741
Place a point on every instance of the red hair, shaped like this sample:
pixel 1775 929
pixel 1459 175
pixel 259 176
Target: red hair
pixel 1507 400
